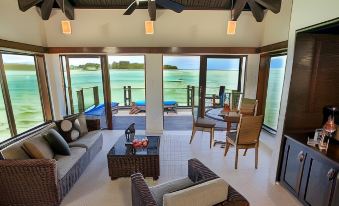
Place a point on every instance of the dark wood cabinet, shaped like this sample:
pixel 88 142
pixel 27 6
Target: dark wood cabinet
pixel 291 174
pixel 309 174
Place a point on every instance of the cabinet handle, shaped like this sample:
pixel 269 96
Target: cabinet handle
pixel 331 174
pixel 301 156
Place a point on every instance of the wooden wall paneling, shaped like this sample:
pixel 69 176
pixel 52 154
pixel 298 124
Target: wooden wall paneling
pixel 314 81
pixel 263 75
pixel 17 46
pixel 43 87
pixel 107 90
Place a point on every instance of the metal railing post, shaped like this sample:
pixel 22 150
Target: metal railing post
pixel 96 95
pixel 81 102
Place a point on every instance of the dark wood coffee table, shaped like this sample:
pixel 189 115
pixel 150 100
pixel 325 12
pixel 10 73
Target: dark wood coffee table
pixel 122 163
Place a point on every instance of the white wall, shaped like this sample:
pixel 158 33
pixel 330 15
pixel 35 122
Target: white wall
pixel 189 28
pixel 154 108
pixel 251 76
pixel 55 85
pixel 276 26
pixel 19 26
pixel 304 13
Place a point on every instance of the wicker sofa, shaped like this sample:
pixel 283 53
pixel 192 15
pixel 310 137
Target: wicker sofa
pixel 44 182
pixel 197 172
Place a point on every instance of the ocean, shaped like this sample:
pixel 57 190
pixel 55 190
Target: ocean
pixel 27 106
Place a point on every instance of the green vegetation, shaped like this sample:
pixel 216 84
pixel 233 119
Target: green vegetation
pixel 170 67
pixel 127 65
pixel 86 67
pixel 19 67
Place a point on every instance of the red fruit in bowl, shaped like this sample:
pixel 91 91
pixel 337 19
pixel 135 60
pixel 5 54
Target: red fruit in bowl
pixel 144 143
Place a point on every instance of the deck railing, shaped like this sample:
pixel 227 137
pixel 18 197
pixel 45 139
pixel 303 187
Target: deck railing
pixel 89 96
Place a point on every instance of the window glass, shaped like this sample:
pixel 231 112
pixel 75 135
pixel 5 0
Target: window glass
pixel 23 90
pixel 274 91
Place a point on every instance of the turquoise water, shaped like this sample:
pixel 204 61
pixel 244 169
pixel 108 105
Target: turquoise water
pixel 27 107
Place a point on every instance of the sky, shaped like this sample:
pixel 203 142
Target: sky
pixel 182 62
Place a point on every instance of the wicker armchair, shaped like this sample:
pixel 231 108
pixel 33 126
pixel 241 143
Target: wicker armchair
pixel 246 137
pixel 197 172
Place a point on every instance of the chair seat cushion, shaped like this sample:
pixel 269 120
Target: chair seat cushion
pixel 87 140
pixel 203 122
pixel 65 163
pixel 208 193
pixel 160 190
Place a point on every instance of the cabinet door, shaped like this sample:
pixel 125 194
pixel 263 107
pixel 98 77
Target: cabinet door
pixel 317 182
pixel 335 196
pixel 292 166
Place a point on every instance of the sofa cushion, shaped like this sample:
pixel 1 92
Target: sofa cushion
pixel 87 140
pixel 38 148
pixel 207 193
pixel 57 142
pixel 67 129
pixel 158 191
pixel 65 163
pixel 83 125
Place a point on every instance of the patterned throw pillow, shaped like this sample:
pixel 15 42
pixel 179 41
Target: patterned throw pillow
pixel 68 130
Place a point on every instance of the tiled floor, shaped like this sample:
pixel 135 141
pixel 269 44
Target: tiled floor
pixel 95 187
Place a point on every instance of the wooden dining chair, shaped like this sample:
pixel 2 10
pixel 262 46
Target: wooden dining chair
pixel 246 137
pixel 202 124
pixel 248 107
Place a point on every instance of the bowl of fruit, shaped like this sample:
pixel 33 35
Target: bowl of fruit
pixel 137 143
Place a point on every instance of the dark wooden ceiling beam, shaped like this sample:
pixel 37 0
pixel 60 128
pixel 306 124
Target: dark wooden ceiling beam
pixel 257 10
pixel 46 9
pixel 67 8
pixel 24 5
pixel 238 8
pixel 273 5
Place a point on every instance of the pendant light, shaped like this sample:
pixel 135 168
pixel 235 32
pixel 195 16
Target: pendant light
pixel 65 24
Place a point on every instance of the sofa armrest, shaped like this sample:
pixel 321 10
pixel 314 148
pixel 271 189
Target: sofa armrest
pixel 28 182
pixel 197 171
pixel 93 124
pixel 234 198
pixel 141 195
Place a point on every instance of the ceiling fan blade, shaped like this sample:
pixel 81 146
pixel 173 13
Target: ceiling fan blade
pixel 273 5
pixel 46 9
pixel 237 9
pixel 152 10
pixel 131 8
pixel 67 8
pixel 257 10
pixel 168 4
pixel 24 5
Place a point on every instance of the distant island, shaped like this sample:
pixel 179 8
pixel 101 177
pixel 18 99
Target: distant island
pixel 19 67
pixel 87 67
pixel 117 65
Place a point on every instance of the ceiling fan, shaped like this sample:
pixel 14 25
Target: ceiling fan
pixel 46 7
pixel 257 7
pixel 152 7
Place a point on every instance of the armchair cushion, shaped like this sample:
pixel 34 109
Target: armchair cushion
pixel 207 193
pixel 87 140
pixel 160 190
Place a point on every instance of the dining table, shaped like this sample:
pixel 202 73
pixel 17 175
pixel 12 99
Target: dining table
pixel 230 117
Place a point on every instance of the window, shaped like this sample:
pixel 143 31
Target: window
pixel 179 73
pixel 20 79
pixel 274 90
pixel 83 84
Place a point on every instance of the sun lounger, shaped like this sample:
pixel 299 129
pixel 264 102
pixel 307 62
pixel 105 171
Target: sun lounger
pixel 99 110
pixel 169 105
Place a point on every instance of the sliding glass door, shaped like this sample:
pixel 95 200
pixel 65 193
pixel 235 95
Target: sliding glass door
pixel 127 81
pixel 274 90
pixel 223 77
